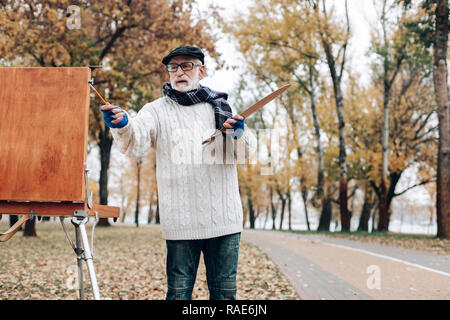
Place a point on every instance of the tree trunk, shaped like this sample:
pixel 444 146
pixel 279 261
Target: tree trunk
pixel 382 221
pixel 345 214
pixel 283 206
pixel 30 228
pixel 325 216
pixel 123 212
pixel 289 208
pixel 373 216
pixel 104 144
pixel 13 219
pixel 251 210
pixel 150 208
pixel 138 191
pixel 441 91
pixel 320 171
pixel 267 217
pixel 157 213
pixel 366 209
pixel 336 78
pixel 365 216
pixel 394 178
pixel 251 213
pixel 150 213
pixel 272 206
pixel 305 206
pixel 382 206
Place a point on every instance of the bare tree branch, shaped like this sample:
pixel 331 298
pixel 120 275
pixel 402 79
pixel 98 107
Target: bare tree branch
pixel 414 186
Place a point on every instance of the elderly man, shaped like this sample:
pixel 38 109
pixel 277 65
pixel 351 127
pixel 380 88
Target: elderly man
pixel 199 200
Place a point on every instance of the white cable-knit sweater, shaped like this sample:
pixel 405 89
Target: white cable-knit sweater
pixel 197 185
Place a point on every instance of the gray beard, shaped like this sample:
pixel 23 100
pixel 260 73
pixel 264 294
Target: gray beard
pixel 191 87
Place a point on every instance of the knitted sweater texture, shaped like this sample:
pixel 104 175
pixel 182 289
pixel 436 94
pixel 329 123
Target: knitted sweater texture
pixel 198 188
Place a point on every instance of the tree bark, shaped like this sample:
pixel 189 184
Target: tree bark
pixel 289 200
pixel 150 213
pixel 267 217
pixel 104 144
pixel 366 209
pixel 251 209
pixel 382 206
pixel 272 206
pixel 13 219
pixel 123 212
pixel 394 178
pixel 157 213
pixel 138 191
pixel 310 89
pixel 150 210
pixel 305 206
pixel 336 79
pixel 283 206
pixel 325 216
pixel 440 74
pixel 251 213
pixel 320 170
pixel 150 207
pixel 30 228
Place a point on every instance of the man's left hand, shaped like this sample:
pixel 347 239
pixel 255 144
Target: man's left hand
pixel 236 126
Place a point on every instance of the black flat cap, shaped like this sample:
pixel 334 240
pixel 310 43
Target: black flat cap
pixel 185 51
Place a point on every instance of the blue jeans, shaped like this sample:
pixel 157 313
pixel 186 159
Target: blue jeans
pixel 221 260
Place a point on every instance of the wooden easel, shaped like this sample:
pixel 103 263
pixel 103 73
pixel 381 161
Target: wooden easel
pixel 43 151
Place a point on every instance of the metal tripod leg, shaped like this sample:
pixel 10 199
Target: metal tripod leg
pixel 83 251
pixel 79 251
pixel 88 257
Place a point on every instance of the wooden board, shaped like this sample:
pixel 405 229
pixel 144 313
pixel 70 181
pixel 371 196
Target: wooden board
pixel 57 209
pixel 43 133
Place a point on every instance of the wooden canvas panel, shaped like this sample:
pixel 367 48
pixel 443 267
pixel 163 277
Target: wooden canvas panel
pixel 43 133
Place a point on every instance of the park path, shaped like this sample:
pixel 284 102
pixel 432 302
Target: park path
pixel 321 267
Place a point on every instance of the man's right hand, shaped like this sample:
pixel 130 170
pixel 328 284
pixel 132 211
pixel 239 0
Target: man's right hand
pixel 114 116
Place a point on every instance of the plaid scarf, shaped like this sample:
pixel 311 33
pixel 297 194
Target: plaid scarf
pixel 218 100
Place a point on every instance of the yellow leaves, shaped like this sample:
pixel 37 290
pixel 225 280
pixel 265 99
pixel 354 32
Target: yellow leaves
pixel 398 163
pixel 51 14
pixel 59 56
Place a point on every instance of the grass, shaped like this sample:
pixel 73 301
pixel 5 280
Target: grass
pixel 428 243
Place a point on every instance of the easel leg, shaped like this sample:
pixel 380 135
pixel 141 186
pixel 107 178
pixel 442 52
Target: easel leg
pixel 79 252
pixel 83 252
pixel 89 262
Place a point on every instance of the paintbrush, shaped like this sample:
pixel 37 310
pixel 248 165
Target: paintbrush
pixel 98 94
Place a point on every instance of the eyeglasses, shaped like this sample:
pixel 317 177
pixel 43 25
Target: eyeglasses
pixel 185 66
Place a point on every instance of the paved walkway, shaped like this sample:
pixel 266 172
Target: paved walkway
pixel 321 267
